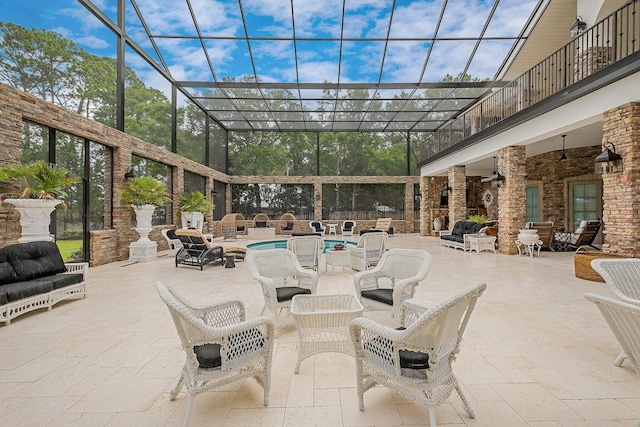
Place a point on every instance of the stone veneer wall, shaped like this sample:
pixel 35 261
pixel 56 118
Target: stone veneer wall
pixel 621 193
pixel 554 176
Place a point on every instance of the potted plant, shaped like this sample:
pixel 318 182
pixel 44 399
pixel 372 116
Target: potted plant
pixel 193 208
pixel 41 187
pixel 144 194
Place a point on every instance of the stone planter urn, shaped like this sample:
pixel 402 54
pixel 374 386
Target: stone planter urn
pixel 144 249
pixel 35 218
pixel 192 220
pixel 437 224
pixel 528 236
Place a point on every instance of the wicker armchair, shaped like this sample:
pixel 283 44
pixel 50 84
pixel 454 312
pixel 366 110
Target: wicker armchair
pixel 282 277
pixel 348 227
pixel 393 280
pixel 287 223
pixel 232 225
pixel 415 361
pixel 367 253
pixel 624 321
pixel 221 347
pixel 317 227
pixel 623 278
pixel 307 249
pixel 261 220
pixel 172 240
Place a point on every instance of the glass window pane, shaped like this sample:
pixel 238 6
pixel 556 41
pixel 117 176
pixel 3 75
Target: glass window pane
pixel 191 130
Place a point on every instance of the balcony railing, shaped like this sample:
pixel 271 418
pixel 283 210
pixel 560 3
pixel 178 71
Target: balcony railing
pixel 609 41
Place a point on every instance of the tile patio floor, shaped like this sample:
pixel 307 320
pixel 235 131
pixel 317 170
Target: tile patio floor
pixel 536 353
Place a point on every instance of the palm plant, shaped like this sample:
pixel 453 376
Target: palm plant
pixel 194 202
pixel 144 190
pixel 39 180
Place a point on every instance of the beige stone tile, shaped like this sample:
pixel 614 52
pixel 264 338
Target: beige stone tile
pixel 35 411
pixel 326 416
pixel 534 403
pixel 82 420
pixel 301 391
pixel 413 414
pixel 251 417
pixel 121 396
pixel 379 408
pixel 326 397
pixel 602 409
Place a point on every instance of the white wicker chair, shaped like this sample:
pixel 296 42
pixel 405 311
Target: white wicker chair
pixel 393 280
pixel 282 277
pixel 221 346
pixel 317 227
pixel 415 362
pixel 623 277
pixel 348 227
pixel 172 240
pixel 624 321
pixel 369 250
pixel 307 249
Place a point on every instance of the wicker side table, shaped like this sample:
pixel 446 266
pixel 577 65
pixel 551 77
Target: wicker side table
pixel 323 323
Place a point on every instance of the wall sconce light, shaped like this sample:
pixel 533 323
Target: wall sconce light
pixel 446 190
pixel 129 173
pixel 215 193
pixel 578 28
pixel 318 196
pixel 498 180
pixel 608 161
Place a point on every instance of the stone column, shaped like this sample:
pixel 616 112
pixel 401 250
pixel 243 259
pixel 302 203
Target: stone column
pixel 317 201
pixel 620 191
pixel 458 195
pixel 425 206
pixel 408 207
pixel 178 190
pixel 512 194
pixel 122 212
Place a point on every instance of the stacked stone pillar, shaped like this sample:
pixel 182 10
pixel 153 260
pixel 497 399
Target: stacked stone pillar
pixel 620 191
pixel 317 201
pixel 512 212
pixel 458 196
pixel 409 207
pixel 425 206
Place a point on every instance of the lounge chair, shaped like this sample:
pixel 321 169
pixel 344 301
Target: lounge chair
pixel 196 250
pixel 261 221
pixel 584 235
pixel 287 224
pixel 233 225
pixel 172 240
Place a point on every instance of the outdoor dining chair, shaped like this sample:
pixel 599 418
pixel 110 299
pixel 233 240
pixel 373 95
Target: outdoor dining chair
pixel 415 360
pixel 220 345
pixel 623 278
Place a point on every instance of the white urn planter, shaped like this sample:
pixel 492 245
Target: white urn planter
pixel 192 220
pixel 528 236
pixel 35 218
pixel 144 249
pixel 437 224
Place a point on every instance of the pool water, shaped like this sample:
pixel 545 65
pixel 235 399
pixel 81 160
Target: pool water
pixel 282 244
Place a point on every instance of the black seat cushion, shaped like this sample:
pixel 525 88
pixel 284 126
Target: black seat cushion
pixel 171 233
pixel 208 355
pixel 381 295
pixel 19 290
pixel 67 279
pixel 286 293
pixel 413 359
pixel 261 224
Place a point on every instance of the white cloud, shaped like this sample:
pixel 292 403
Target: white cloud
pixel 92 42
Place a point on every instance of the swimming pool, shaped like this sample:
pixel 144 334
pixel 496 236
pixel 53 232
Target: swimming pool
pixel 282 244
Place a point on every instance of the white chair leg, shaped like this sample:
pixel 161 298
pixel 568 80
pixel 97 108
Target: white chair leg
pixel 620 359
pixel 465 403
pixel 432 416
pixel 187 414
pixel 177 387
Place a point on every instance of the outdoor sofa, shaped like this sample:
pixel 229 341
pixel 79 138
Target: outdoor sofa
pixel 33 275
pixel 457 237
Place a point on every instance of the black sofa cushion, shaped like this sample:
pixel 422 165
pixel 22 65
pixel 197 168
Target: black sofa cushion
pixel 19 290
pixel 461 228
pixel 61 280
pixel 33 260
pixel 7 274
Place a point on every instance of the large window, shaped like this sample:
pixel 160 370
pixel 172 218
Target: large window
pixel 273 200
pixel 533 203
pixel 362 201
pixel 586 202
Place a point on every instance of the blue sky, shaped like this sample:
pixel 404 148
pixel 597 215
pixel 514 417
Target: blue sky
pixel 314 19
